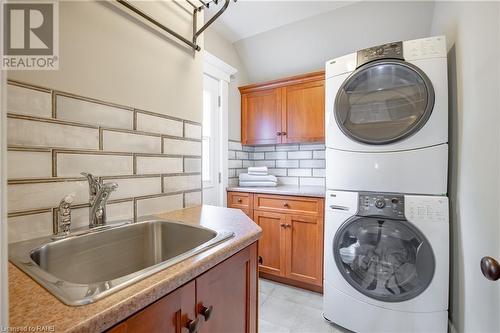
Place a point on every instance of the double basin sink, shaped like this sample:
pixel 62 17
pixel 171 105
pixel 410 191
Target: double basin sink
pixel 89 265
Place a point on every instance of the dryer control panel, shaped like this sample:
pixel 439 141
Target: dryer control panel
pixel 383 205
pixel 391 50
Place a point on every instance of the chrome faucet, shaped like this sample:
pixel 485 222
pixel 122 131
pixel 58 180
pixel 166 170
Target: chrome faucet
pixel 62 223
pixel 98 197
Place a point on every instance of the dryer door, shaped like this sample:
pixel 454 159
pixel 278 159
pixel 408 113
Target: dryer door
pixel 387 260
pixel 383 102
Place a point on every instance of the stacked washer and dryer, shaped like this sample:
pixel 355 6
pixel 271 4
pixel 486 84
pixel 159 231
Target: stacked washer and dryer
pixel 386 221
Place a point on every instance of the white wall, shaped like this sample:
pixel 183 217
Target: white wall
pixel 224 50
pixel 109 54
pixel 473 35
pixel 304 46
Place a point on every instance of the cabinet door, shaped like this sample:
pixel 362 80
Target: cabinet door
pixel 261 117
pixel 226 295
pixel 272 242
pixel 303 112
pixel 171 314
pixel 304 248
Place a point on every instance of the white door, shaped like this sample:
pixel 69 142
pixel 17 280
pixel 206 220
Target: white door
pixel 211 141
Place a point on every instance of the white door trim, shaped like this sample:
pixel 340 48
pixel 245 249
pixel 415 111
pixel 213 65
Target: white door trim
pixel 220 70
pixel 4 300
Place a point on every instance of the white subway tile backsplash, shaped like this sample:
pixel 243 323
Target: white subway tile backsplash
pixel 181 147
pixel 312 163
pixel 135 187
pixel 242 155
pixel 287 164
pixel 157 205
pixel 319 173
pixel 77 110
pixel 319 154
pixel 26 227
pixel 231 154
pixel 27 101
pixel 287 147
pixel 233 164
pixel 299 172
pixel 23 132
pixel 192 199
pixel 192 131
pixel 276 155
pixel 299 155
pixel 29 164
pixel 308 146
pixel 181 183
pixel 160 125
pixel 21 197
pixel 305 181
pixel 278 172
pixel 130 142
pixel 71 165
pixel 288 180
pixel 247 163
pixel 158 165
pixel 232 145
pixel 257 156
pixel 264 148
pixel 192 164
pixel 248 148
pixel 267 163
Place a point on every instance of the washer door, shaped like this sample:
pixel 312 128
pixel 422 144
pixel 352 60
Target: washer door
pixel 384 259
pixel 383 102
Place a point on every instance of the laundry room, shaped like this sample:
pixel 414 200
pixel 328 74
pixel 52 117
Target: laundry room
pixel 226 166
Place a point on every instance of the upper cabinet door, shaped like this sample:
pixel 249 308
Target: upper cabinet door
pixel 261 117
pixel 303 112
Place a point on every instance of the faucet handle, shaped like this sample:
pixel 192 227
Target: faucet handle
pixel 62 223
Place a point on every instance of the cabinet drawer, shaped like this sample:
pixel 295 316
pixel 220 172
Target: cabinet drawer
pixel 289 204
pixel 239 200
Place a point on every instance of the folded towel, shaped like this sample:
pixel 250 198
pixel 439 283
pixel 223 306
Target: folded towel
pixel 258 184
pixel 245 177
pixel 258 170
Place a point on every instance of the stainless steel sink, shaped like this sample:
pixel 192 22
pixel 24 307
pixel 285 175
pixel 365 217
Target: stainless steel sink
pixel 94 263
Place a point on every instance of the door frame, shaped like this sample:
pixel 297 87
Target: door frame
pixel 221 71
pixel 4 300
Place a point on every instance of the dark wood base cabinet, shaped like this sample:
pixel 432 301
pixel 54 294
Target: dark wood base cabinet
pixel 224 299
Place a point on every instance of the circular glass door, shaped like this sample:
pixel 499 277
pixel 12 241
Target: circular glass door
pixel 383 102
pixel 387 260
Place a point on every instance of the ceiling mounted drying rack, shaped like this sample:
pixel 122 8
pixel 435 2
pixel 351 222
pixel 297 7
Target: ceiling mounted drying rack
pixel 196 9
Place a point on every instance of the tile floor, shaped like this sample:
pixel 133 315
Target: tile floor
pixel 288 309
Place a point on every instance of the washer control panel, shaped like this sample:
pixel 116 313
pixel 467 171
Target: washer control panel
pixel 391 50
pixel 383 205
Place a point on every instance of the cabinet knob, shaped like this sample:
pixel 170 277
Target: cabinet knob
pixel 261 260
pixel 490 268
pixel 288 225
pixel 206 312
pixel 278 133
pixel 283 133
pixel 285 204
pixel 192 325
pixel 283 225
pixel 240 201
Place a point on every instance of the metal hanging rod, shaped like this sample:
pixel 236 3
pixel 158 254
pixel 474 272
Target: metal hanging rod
pixel 196 33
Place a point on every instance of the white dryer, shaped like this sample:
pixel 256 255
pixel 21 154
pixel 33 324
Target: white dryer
pixel 386 262
pixel 387 118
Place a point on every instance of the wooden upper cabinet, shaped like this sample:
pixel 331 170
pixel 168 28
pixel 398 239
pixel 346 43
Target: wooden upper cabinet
pixel 304 109
pixel 262 113
pixel 289 110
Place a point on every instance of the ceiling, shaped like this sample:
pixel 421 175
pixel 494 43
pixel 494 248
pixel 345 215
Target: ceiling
pixel 247 18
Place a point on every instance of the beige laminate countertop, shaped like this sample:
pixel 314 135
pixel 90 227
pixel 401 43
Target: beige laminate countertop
pixel 30 305
pixel 303 191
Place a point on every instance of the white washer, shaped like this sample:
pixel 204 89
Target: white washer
pixel 389 103
pixel 386 262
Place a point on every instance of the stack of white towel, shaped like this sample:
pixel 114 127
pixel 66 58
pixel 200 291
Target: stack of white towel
pixel 257 176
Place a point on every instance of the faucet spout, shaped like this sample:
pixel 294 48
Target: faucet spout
pixel 97 213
